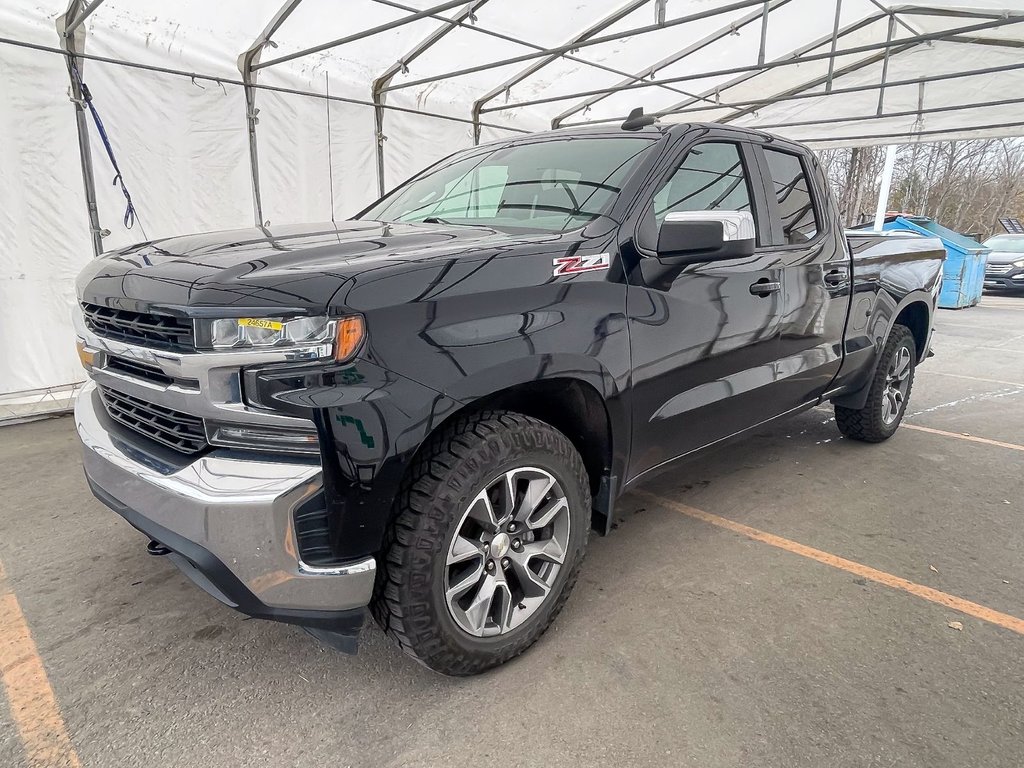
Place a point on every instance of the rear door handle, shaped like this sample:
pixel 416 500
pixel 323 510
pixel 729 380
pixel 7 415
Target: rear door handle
pixel 836 277
pixel 764 286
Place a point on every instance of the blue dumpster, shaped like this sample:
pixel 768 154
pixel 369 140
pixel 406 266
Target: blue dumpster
pixel 963 274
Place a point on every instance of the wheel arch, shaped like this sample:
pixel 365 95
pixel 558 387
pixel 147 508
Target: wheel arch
pixel 915 315
pixel 915 311
pixel 574 401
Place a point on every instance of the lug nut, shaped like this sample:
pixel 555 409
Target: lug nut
pixel 505 562
pixel 517 544
pixel 489 566
pixel 512 527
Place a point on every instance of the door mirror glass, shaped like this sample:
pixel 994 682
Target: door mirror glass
pixel 706 235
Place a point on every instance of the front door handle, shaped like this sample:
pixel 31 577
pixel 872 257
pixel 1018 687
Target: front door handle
pixel 764 286
pixel 836 277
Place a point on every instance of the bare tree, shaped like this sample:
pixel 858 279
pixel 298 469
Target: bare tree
pixel 964 185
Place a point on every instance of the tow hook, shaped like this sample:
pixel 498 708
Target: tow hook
pixel 157 549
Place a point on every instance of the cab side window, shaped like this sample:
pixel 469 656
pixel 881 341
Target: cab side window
pixel 710 178
pixel 793 194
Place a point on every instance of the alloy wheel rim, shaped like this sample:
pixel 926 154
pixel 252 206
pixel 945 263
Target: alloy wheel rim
pixel 507 551
pixel 897 383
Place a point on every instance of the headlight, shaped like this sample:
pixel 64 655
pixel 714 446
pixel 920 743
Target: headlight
pixel 339 338
pixel 1019 264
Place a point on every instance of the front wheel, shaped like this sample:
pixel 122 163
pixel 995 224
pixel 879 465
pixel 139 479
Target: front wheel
pixel 890 390
pixel 490 531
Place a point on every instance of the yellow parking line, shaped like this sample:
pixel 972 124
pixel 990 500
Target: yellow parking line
pixel 968 438
pixel 866 572
pixel 32 703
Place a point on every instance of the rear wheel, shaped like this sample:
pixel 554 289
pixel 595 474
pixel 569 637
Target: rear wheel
pixel 890 390
pixel 490 532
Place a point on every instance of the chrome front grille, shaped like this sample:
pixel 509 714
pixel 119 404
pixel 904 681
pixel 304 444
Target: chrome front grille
pixel 998 269
pixel 147 329
pixel 180 431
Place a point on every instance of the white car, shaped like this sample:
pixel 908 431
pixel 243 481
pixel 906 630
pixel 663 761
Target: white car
pixel 1005 268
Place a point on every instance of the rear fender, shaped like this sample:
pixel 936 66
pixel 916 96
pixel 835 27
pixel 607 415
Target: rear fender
pixel 884 315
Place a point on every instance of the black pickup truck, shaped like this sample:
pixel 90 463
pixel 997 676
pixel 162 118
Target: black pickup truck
pixel 425 410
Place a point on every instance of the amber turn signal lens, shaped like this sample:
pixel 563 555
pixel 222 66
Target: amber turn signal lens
pixel 348 338
pixel 86 356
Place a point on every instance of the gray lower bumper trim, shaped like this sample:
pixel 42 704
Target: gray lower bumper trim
pixel 237 509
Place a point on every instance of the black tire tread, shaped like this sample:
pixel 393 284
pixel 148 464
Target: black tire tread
pixel 419 515
pixel 865 424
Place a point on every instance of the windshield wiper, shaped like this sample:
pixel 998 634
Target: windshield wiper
pixel 439 220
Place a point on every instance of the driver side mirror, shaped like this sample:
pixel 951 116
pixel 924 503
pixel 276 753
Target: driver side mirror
pixel 691 236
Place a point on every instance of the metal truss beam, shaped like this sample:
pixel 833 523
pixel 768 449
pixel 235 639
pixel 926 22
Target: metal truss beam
pixel 600 26
pixel 915 136
pixel 401 22
pixel 796 91
pixel 992 41
pixel 561 50
pixel 805 49
pixel 483 30
pixel 791 61
pixel 670 60
pixel 887 115
pixel 885 65
pixel 256 86
pixel 80 18
pixel 835 92
pixel 956 13
pixel 382 82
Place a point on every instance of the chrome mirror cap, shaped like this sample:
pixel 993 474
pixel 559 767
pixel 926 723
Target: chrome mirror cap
pixel 736 225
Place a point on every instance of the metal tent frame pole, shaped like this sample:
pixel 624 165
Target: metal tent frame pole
pixel 788 62
pixel 689 50
pixel 805 49
pixel 220 80
pixel 952 133
pixel 246 63
pixel 402 65
pixel 483 30
pixel 835 92
pixel 575 42
pixel 564 49
pixel 72 41
pixel 81 16
pixel 888 115
pixel 401 22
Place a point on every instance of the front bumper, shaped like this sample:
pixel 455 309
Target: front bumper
pixel 1014 280
pixel 228 520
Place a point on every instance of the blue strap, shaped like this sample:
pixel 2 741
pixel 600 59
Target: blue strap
pixel 129 211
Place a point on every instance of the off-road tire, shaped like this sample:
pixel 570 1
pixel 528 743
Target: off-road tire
pixel 867 424
pixel 457 463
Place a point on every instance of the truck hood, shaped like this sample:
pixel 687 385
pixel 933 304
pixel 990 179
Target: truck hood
pixel 295 267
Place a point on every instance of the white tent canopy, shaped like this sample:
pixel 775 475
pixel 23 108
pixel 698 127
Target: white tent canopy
pixel 225 113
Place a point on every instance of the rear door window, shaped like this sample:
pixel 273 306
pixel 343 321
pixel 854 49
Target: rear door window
pixel 792 193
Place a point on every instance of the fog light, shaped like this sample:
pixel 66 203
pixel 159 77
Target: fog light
pixel 283 439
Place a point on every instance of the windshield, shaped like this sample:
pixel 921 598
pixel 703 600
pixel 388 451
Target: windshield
pixel 554 185
pixel 1006 243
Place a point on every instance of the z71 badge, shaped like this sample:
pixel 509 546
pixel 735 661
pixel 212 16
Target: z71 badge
pixel 572 265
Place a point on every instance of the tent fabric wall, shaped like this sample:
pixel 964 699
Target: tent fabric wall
pixel 44 232
pixel 183 146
